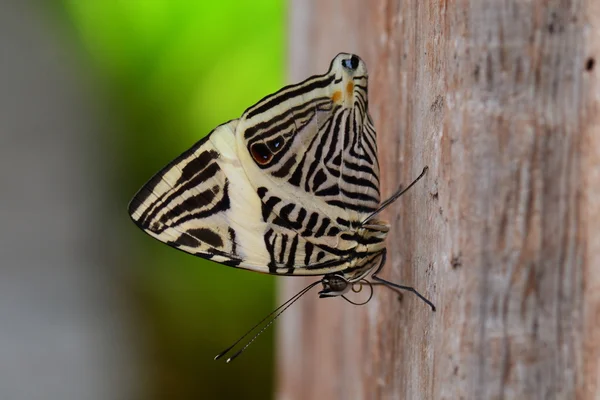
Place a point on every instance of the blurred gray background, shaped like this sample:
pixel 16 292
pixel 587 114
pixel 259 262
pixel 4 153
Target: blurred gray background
pixel 65 324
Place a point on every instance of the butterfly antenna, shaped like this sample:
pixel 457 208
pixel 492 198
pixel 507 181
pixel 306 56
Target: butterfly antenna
pixel 278 311
pixel 394 197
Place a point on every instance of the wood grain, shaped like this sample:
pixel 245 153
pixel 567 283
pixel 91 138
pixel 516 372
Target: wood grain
pixel 502 101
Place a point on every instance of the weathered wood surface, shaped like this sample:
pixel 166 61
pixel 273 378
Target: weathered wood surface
pixel 502 101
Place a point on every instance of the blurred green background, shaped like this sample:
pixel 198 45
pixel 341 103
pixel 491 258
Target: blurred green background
pixel 167 73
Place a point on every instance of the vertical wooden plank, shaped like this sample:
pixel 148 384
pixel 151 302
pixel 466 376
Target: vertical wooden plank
pixel 498 99
pixel 588 379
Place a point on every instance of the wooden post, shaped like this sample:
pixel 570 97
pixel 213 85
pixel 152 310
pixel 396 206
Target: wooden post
pixel 502 101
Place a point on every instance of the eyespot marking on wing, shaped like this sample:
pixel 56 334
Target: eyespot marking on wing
pixel 261 153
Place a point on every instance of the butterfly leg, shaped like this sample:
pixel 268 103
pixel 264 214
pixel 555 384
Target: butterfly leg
pixel 398 292
pixel 395 286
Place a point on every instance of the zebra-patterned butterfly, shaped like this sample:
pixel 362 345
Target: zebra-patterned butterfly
pixel 289 188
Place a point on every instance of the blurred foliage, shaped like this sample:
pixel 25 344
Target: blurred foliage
pixel 170 71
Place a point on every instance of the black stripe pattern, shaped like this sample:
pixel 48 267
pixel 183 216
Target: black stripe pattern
pixel 326 142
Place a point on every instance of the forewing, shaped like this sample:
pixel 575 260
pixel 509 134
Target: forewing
pixel 314 145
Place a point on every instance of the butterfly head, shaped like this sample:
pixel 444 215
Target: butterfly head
pixel 350 78
pixel 334 285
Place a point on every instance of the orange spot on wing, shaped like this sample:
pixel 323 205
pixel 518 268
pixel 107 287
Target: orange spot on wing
pixel 337 96
pixel 349 88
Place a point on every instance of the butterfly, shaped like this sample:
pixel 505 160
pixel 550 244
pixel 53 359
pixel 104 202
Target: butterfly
pixel 289 188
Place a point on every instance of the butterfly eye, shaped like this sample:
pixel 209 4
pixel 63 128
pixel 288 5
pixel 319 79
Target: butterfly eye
pixel 350 63
pixel 261 153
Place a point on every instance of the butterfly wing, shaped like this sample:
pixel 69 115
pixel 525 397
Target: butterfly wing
pixel 203 204
pixel 281 190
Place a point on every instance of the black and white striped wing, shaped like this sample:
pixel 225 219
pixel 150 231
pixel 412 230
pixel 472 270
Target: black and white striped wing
pixel 313 144
pixel 280 190
pixel 203 204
